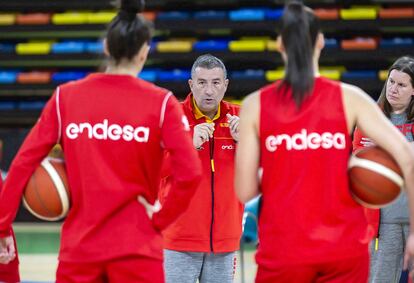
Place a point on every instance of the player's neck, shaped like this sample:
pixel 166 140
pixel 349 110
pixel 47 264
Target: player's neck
pixel 399 110
pixel 316 68
pixel 124 69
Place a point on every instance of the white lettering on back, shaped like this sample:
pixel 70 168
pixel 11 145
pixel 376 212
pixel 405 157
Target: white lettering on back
pixel 106 131
pixel 304 140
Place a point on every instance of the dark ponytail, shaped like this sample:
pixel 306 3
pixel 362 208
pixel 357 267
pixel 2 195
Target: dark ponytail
pixel 128 32
pixel 300 28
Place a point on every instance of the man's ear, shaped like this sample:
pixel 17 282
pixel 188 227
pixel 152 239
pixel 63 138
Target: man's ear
pixel 226 83
pixel 190 83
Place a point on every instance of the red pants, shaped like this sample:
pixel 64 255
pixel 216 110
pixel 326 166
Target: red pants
pixel 353 270
pixel 9 273
pixel 125 270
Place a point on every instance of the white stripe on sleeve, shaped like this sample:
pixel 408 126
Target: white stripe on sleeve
pixel 163 108
pixel 58 114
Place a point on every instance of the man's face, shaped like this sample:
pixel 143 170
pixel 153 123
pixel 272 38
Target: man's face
pixel 208 87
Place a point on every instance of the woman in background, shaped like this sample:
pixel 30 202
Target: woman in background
pixel 392 222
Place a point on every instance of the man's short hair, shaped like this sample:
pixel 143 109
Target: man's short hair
pixel 208 61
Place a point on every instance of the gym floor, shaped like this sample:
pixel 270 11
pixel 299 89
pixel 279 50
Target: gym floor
pixel 38 246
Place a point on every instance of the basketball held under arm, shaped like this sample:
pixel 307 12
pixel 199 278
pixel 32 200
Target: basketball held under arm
pixel 248 150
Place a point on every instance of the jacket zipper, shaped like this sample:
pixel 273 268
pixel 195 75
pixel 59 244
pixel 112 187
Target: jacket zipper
pixel 212 191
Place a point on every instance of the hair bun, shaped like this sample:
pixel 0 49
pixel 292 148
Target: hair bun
pixel 132 6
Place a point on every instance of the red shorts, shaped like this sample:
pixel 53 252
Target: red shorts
pixel 353 270
pixel 125 270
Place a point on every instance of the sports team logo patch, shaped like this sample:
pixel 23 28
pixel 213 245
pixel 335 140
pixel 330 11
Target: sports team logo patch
pixel 230 147
pixel 224 125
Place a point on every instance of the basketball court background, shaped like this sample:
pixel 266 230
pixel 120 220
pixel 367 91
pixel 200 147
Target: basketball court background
pixel 362 42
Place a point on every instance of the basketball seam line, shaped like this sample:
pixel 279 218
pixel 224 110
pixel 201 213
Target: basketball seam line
pixel 381 169
pixel 59 186
pixel 369 205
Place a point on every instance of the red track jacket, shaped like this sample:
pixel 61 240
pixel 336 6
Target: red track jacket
pixel 113 130
pixel 213 220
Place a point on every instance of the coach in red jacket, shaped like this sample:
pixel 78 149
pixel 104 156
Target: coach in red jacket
pixel 202 242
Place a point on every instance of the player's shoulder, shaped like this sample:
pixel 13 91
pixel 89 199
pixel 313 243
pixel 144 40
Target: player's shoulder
pixel 350 89
pixel 74 83
pixel 252 98
pixel 353 94
pixel 251 103
pixel 152 88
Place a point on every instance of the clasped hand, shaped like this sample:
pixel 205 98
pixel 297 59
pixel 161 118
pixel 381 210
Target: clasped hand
pixel 7 250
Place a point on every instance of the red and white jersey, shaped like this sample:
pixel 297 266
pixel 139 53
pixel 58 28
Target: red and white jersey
pixel 113 130
pixel 307 214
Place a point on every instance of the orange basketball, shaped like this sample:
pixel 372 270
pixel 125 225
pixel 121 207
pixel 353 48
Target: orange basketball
pixel 46 195
pixel 375 177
